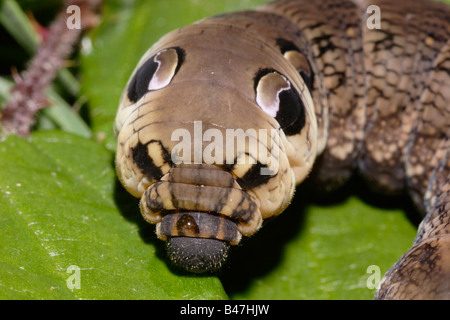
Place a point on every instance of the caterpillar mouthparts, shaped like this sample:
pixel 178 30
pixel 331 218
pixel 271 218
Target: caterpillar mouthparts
pixel 197 255
pixel 200 210
pixel 198 241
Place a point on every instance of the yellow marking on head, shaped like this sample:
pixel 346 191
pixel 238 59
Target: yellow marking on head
pixel 156 153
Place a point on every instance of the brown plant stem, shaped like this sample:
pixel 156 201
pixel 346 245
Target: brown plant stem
pixel 28 96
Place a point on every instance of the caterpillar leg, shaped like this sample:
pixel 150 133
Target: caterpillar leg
pixel 423 272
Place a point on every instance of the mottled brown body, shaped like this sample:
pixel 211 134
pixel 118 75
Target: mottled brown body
pixel 389 116
pixel 326 85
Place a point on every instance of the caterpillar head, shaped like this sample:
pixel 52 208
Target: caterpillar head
pixel 212 140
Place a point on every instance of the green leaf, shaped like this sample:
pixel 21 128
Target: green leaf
pixel 18 25
pixel 61 207
pixel 316 250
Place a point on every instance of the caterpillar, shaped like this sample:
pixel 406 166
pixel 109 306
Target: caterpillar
pixel 221 119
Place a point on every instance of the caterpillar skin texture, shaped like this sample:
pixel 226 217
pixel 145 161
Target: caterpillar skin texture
pixel 327 90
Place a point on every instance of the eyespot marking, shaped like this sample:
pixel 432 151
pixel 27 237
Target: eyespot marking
pixel 276 96
pixel 298 59
pixel 156 73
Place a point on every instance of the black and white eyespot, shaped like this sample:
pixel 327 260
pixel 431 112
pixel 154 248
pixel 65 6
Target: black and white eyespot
pixel 278 98
pixel 298 59
pixel 156 73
